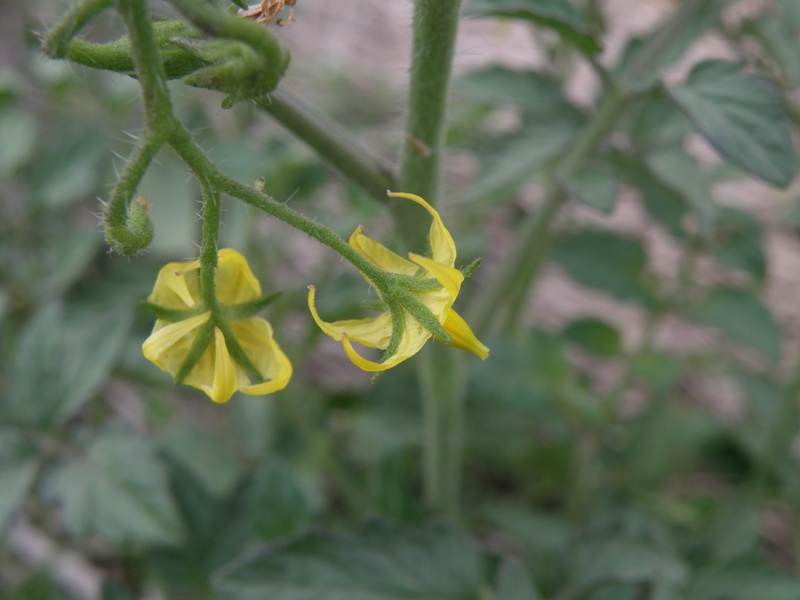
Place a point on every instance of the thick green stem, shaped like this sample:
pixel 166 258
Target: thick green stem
pixel 331 141
pixel 440 374
pixel 435 28
pixel 149 70
pixel 209 249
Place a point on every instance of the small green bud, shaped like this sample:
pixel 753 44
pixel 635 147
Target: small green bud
pixel 135 234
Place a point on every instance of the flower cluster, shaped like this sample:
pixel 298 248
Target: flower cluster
pixel 224 348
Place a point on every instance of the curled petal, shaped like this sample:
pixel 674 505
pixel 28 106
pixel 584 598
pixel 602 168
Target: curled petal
pixel 463 337
pixel 223 380
pixel 443 248
pixel 160 349
pixel 235 282
pixel 374 332
pixel 380 256
pixel 174 289
pixel 256 339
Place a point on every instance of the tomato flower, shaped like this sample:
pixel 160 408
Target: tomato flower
pixel 221 349
pixel 434 281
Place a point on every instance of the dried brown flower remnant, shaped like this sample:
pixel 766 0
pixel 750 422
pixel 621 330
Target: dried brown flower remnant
pixel 265 11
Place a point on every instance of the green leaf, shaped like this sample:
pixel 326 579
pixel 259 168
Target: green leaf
pixel 205 457
pixel 117 490
pixel 558 15
pixel 594 185
pixel 520 156
pixel 533 93
pixel 378 560
pixel 664 204
pixel 18 462
pixel 743 117
pixel 277 504
pixel 743 580
pixel 740 245
pixel 513 582
pixel 706 16
pixel 595 336
pixel 742 317
pixel 677 172
pixel 604 260
pixel 62 361
pixel 17 139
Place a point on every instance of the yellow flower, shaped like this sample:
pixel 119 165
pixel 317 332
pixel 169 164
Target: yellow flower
pixel 217 353
pixel 396 330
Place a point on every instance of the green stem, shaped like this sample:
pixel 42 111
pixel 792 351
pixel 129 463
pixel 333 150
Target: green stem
pixel 435 28
pixel 440 372
pixel 209 249
pixel 56 42
pixel 149 70
pixel 331 141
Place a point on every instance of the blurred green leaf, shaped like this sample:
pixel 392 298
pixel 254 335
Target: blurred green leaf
pixel 18 463
pixel 677 172
pixel 624 562
pixel 741 316
pixel 112 592
pixel 657 369
pixel 277 505
pixel 17 139
pixel 374 561
pixel 743 580
pixel 594 185
pixel 595 336
pixel 496 85
pixel 62 362
pixel 664 204
pixel 558 15
pixel 214 527
pixel 520 156
pixel 71 166
pixel 205 456
pixel 740 246
pixel 636 53
pixel 117 490
pixel 513 582
pixel 743 117
pixel 604 260
pixel 66 259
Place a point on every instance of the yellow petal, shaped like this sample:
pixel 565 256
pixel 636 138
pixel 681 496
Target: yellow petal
pixel 235 282
pixel 374 332
pixel 449 277
pixel 223 379
pixel 380 256
pixel 443 248
pixel 166 336
pixel 256 339
pixel 462 336
pixel 368 365
pixel 174 289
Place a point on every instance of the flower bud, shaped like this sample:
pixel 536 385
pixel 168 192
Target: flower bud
pixel 135 234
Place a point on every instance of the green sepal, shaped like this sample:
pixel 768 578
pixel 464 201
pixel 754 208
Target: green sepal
pixel 240 3
pixel 238 70
pixel 205 335
pixel 237 312
pixel 418 284
pixel 468 270
pixel 172 315
pixel 423 315
pixel 374 305
pixel 236 351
